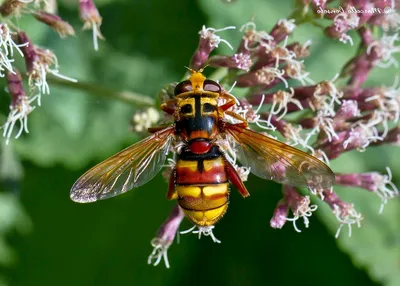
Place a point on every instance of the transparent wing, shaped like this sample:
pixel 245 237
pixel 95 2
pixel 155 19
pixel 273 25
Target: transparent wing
pixel 128 169
pixel 274 160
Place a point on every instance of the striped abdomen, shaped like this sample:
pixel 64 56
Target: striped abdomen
pixel 201 186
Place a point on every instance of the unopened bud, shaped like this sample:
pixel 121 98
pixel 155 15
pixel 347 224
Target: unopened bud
pixel 59 25
pixel 91 20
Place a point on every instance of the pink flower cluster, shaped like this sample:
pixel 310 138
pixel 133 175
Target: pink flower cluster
pixel 339 118
pixel 39 62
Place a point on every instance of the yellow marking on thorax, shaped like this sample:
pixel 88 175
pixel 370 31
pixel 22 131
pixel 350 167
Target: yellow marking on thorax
pixel 215 190
pixel 212 101
pixel 189 101
pixel 209 164
pixel 192 165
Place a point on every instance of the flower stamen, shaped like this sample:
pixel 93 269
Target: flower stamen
pixel 202 230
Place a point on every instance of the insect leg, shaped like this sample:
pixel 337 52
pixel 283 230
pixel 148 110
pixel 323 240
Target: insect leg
pixel 157 128
pixel 234 178
pixel 172 193
pixel 231 101
pixel 169 106
pixel 227 105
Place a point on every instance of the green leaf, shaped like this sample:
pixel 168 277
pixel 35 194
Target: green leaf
pixel 374 247
pixel 12 217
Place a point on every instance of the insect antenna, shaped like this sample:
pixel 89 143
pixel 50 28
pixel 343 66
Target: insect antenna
pixel 193 71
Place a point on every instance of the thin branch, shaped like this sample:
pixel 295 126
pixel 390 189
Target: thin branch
pixel 130 97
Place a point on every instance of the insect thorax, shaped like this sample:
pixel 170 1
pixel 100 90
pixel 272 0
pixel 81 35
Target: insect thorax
pixel 197 117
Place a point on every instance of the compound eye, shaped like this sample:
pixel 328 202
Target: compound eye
pixel 210 85
pixel 186 109
pixel 182 87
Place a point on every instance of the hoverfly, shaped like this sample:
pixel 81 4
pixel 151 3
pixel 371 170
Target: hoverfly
pixel 201 177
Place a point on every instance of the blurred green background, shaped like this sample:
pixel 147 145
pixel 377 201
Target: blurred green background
pixel 46 239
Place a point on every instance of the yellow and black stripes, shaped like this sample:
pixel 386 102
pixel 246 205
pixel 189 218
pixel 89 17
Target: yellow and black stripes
pixel 201 186
pixel 204 205
pixel 201 177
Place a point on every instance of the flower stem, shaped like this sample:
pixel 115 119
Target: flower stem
pixel 133 98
